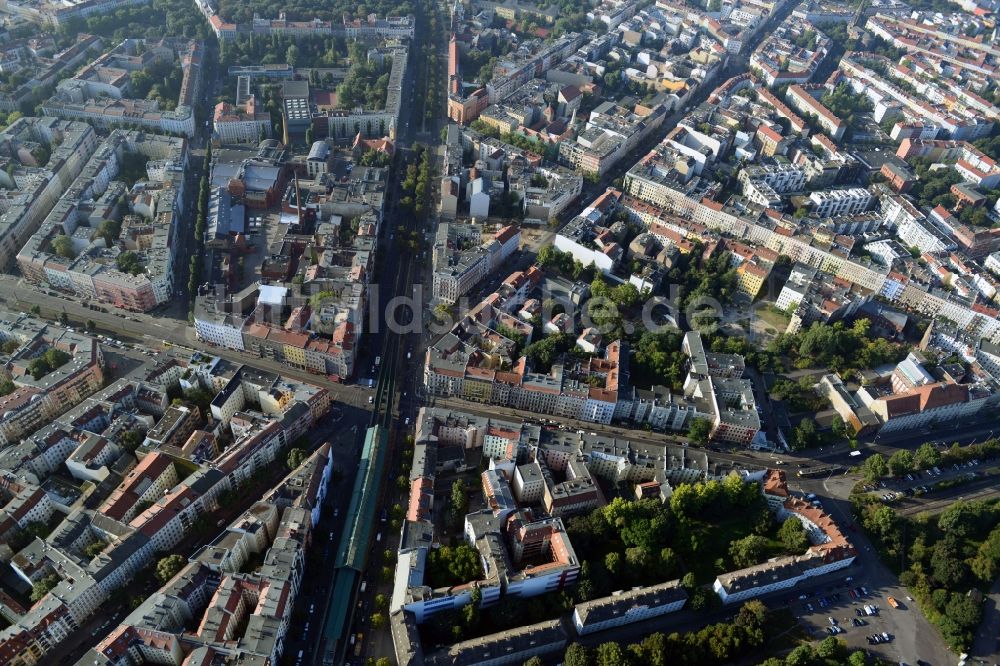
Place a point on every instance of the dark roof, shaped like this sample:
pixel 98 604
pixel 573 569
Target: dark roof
pixel 618 604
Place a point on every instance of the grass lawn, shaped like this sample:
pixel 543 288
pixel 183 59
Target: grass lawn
pixel 774 317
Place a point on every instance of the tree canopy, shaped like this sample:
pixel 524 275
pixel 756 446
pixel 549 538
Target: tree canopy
pixel 62 245
pixel 43 587
pixel 306 10
pixel 130 440
pixel 700 430
pixel 941 558
pixel 845 103
pixel 367 81
pixel 901 462
pixel 933 188
pixel 805 435
pixel 724 642
pixel 838 347
pixel 563 263
pixel 927 456
pixel 169 566
pixel 543 353
pixel 793 535
pixel 110 230
pixel 800 396
pixel 296 457
pixel 48 361
pixel 456 565
pixel 129 262
pixel 875 467
pixel 657 359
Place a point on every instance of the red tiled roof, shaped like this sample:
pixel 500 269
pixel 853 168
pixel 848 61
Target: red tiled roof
pixel 924 398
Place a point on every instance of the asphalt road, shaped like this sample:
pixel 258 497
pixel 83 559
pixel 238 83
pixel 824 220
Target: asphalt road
pixel 346 437
pixel 152 330
pixel 981 488
pixel 915 638
pixel 377 643
pixel 338 428
pixel 735 65
pixel 986 648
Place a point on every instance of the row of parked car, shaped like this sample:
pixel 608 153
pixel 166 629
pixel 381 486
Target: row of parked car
pixel 858 592
pixel 923 489
pixel 825 601
pixel 867 609
pixel 884 637
pixel 932 472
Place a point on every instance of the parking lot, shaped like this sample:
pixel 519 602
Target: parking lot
pixel 840 610
pixel 928 482
pixel 833 601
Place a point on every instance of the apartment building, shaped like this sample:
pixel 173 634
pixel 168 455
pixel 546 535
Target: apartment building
pixel 833 203
pixel 922 406
pixel 43 392
pixel 153 508
pixel 779 58
pixel 454 368
pixel 545 191
pixel 88 97
pixel 217 608
pixel 506 533
pixel 796 287
pixel 899 177
pixel 913 228
pixel 825 299
pixel 758 227
pixel 241 124
pixel 174 427
pixel 60 14
pixel 31 504
pixel 33 190
pixel 970 162
pixel 629 606
pixel 92 459
pixel 805 100
pixel 530 58
pixel 148 481
pixel 830 550
pixel 369 28
pixel 458 267
pixel 94 269
pixel 764 184
pixel 751 277
pixel 587 238
pixel 714 382
pixel 511 647
pixel 611 132
pixel 925 45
